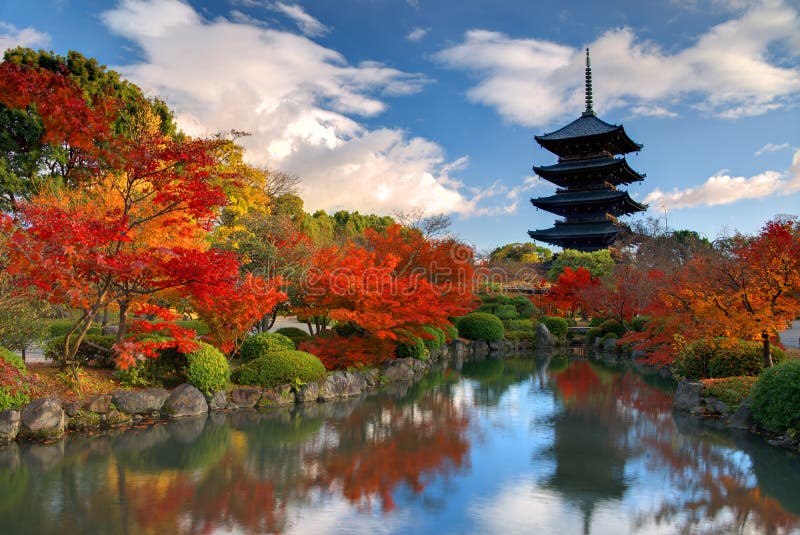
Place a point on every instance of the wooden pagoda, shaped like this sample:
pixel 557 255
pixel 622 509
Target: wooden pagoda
pixel 588 175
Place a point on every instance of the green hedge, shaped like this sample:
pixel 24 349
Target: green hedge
pixel 776 397
pixel 414 349
pixel 261 345
pixel 720 357
pixel 53 349
pixel 451 332
pixel 525 324
pixel 13 381
pixel 731 390
pixel 294 334
pixel 60 327
pixel 438 339
pixel 208 369
pixel 613 327
pixel 520 335
pixel 481 326
pixel 557 326
pixel 280 368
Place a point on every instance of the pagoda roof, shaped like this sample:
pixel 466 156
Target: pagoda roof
pixel 576 230
pixel 591 197
pixel 620 166
pixel 588 126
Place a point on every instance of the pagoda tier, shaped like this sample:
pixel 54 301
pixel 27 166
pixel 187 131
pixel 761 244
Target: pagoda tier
pixel 589 203
pixel 585 172
pixel 588 135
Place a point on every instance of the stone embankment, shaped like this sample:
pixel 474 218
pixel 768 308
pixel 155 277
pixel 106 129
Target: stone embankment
pixel 50 418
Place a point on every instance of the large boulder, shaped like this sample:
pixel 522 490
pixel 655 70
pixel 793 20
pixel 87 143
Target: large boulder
pixel 341 385
pixel 543 337
pixel 687 396
pixel 185 400
pixel 218 401
pixel 148 402
pixel 99 404
pixel 43 418
pixel 399 370
pixel 743 417
pixel 459 348
pixel 245 397
pixel 9 425
pixel 307 393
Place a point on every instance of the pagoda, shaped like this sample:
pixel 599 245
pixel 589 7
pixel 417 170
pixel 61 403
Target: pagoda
pixel 588 175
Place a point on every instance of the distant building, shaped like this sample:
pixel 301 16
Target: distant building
pixel 588 175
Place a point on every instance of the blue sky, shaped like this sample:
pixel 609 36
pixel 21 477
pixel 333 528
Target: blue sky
pixel 386 105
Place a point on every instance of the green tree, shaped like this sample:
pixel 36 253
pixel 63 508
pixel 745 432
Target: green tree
pixel 599 263
pixel 527 252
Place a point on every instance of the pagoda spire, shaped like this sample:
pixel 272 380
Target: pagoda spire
pixel 589 110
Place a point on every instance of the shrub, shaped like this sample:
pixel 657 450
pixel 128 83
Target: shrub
pixel 280 368
pixel 639 323
pixel 776 397
pixel 60 327
pixel 596 322
pixel 731 390
pixel 88 350
pixel 294 334
pixel 520 335
pixel 506 312
pixel 525 324
pixel 591 334
pixel 609 336
pixel 263 344
pixel 207 369
pixel 524 306
pixel 721 357
pixel 13 381
pixel 414 349
pixel 198 326
pixel 613 327
pixel 481 326
pixel 451 332
pixel 438 339
pixel 557 326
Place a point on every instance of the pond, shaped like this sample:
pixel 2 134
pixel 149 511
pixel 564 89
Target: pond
pixel 500 446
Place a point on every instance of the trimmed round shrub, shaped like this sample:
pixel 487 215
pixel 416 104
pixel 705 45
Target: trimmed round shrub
pixel 721 357
pixel 613 327
pixel 451 332
pixel 294 334
pixel 13 380
pixel 88 350
pixel 591 334
pixel 776 397
pixel 506 312
pixel 280 368
pixel 524 306
pixel 525 324
pixel 263 344
pixel 481 326
pixel 557 326
pixel 414 349
pixel 207 369
pixel 438 339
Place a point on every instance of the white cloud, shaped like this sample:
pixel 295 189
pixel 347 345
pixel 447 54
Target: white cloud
pixel 727 72
pixel 417 34
pixel 722 188
pixel 307 24
pixel 644 110
pixel 771 147
pixel 11 36
pixel 300 102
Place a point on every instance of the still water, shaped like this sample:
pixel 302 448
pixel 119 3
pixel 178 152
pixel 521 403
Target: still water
pixel 499 446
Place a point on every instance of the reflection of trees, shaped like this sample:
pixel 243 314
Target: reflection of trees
pixel 609 418
pixel 239 472
pixel 494 377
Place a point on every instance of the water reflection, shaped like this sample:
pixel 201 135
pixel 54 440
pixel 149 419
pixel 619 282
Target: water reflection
pixel 588 449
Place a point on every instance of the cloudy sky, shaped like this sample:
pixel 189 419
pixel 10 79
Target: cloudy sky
pixel 386 105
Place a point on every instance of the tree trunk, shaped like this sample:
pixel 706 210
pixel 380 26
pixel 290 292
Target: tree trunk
pixel 767 355
pixel 123 320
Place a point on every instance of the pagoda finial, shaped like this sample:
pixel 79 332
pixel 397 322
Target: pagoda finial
pixel 589 110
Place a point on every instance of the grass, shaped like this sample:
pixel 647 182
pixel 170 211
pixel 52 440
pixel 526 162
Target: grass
pixel 48 380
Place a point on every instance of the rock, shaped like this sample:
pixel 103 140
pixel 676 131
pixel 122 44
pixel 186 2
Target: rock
pixel 9 425
pixel 149 401
pixel 742 418
pixel 372 378
pixel 307 393
pixel 687 396
pixel 245 397
pixel 341 385
pixel 716 406
pixel 497 345
pixel 99 404
pixel 115 418
pixel 71 408
pixel 85 421
pixel 543 337
pixel 43 418
pixel 218 401
pixel 399 370
pixel 459 348
pixel 610 345
pixel 480 348
pixel 185 400
pixel 277 397
pixel 110 330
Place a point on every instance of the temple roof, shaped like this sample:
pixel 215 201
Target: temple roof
pixel 588 127
pixel 602 197
pixel 576 230
pixel 619 166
